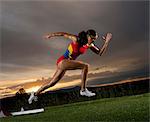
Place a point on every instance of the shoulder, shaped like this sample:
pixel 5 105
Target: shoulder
pixel 71 37
pixel 74 38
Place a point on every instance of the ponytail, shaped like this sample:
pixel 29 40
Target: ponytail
pixel 82 38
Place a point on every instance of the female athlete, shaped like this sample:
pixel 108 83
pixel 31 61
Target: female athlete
pixel 79 45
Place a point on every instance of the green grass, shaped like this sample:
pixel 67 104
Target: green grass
pixel 128 108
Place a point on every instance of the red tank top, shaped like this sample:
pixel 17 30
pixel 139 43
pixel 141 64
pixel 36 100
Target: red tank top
pixel 73 51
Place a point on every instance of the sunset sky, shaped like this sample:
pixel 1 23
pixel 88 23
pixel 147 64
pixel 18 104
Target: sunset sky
pixel 26 56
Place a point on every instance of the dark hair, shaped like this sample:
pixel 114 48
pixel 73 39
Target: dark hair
pixel 82 36
pixel 91 33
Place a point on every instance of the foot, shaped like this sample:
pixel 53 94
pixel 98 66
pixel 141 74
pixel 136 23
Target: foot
pixel 87 93
pixel 32 97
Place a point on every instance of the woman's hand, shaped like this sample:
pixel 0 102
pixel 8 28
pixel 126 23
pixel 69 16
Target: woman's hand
pixel 107 38
pixel 48 36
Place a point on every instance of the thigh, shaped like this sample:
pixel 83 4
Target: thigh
pixel 71 64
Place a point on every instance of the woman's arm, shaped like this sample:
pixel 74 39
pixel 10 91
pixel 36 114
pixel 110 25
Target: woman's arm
pixel 66 35
pixel 94 48
pixel 101 51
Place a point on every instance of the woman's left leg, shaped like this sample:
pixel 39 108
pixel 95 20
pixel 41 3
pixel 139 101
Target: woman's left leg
pixel 57 76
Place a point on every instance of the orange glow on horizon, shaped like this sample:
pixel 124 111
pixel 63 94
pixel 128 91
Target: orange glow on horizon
pixel 11 92
pixel 67 84
pixel 57 86
pixel 32 89
pixel 16 82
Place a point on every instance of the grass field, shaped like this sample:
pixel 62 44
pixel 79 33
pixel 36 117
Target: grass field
pixel 128 108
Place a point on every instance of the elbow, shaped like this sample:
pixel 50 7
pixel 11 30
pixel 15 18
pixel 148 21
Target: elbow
pixel 100 54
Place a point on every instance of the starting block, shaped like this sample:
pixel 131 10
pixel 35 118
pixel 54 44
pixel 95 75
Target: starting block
pixel 24 112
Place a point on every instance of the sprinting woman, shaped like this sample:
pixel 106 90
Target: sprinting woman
pixel 79 45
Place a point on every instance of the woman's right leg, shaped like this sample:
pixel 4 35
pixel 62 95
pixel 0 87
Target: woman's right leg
pixel 73 65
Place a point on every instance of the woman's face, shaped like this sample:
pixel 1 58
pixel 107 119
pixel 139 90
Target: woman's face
pixel 90 40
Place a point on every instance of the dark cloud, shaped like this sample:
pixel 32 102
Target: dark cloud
pixel 25 22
